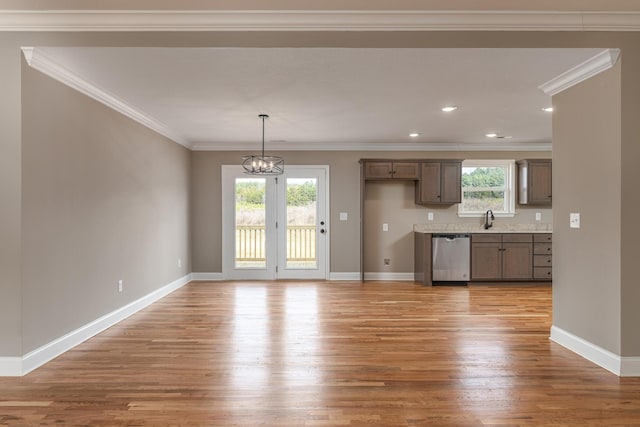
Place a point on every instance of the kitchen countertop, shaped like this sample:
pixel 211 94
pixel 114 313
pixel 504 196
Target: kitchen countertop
pixel 479 228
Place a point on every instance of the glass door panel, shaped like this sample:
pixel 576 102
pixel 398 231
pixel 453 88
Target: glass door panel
pixel 302 218
pixel 250 223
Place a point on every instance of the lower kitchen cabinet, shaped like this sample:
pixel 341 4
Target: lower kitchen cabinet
pixel 501 257
pixel 516 261
pixel 495 257
pixel 486 260
pixel 542 257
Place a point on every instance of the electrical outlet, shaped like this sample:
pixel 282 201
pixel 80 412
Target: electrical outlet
pixel 430 216
pixel 538 216
pixel 179 263
pixel 387 261
pixel 574 220
pixel 385 227
pixel 120 285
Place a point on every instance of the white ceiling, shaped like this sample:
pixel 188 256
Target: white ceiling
pixel 331 97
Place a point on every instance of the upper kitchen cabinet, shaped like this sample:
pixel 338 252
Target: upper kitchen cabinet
pixel 440 183
pixel 534 182
pixel 391 169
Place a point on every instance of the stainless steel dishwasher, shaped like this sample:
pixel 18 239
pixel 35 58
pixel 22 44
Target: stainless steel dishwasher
pixel 451 257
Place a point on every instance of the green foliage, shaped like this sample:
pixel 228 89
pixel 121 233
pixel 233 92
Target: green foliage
pixel 250 194
pixel 301 194
pixel 483 178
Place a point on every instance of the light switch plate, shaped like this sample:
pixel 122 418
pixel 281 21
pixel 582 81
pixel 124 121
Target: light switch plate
pixel 430 216
pixel 538 216
pixel 385 227
pixel 574 220
pixel 344 216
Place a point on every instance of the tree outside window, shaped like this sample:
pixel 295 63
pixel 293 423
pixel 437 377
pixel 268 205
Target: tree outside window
pixel 487 184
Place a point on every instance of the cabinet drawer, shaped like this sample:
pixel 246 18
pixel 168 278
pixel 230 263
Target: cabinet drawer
pixel 542 237
pixel 542 273
pixel 486 238
pixel 542 249
pixel 542 260
pixel 517 237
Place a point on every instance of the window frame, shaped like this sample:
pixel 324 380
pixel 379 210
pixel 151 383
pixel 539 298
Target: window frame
pixel 509 190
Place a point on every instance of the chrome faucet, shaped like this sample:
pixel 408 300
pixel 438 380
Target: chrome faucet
pixel 488 219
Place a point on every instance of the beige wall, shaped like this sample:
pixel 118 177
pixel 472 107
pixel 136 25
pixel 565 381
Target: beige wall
pixel 586 168
pixel 10 200
pixel 630 226
pixel 104 199
pixel 389 202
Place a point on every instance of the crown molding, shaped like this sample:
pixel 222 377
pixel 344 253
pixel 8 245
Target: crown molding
pixel 330 20
pixel 581 72
pixel 38 59
pixel 363 146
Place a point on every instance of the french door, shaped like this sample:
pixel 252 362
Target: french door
pixel 275 227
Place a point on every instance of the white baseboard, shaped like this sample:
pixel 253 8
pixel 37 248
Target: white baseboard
pixel 47 352
pixel 10 366
pixel 596 354
pixel 401 277
pixel 206 277
pixel 352 276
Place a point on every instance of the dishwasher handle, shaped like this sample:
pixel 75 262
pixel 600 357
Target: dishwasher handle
pixel 451 237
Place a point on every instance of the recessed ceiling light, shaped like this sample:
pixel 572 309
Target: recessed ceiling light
pixel 491 135
pixel 548 109
pixel 449 109
pixel 414 135
pixel 504 137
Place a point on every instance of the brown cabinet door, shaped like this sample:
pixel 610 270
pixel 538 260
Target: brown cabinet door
pixel 378 170
pixel 534 182
pixel 451 186
pixel 406 170
pixel 540 183
pixel 517 259
pixel 429 184
pixel 486 261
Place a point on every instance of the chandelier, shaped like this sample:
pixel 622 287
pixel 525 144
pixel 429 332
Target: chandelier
pixel 263 165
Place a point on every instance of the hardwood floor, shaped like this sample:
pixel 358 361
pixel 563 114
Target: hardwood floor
pixel 327 354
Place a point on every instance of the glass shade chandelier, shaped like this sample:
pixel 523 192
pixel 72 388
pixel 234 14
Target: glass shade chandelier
pixel 261 164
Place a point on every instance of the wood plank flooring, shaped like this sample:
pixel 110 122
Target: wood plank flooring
pixel 326 354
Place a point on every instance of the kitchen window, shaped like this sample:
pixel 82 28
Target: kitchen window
pixel 487 184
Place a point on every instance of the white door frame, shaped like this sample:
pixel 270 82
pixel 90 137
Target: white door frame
pixel 229 272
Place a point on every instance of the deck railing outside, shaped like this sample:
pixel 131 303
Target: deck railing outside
pixel 250 242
